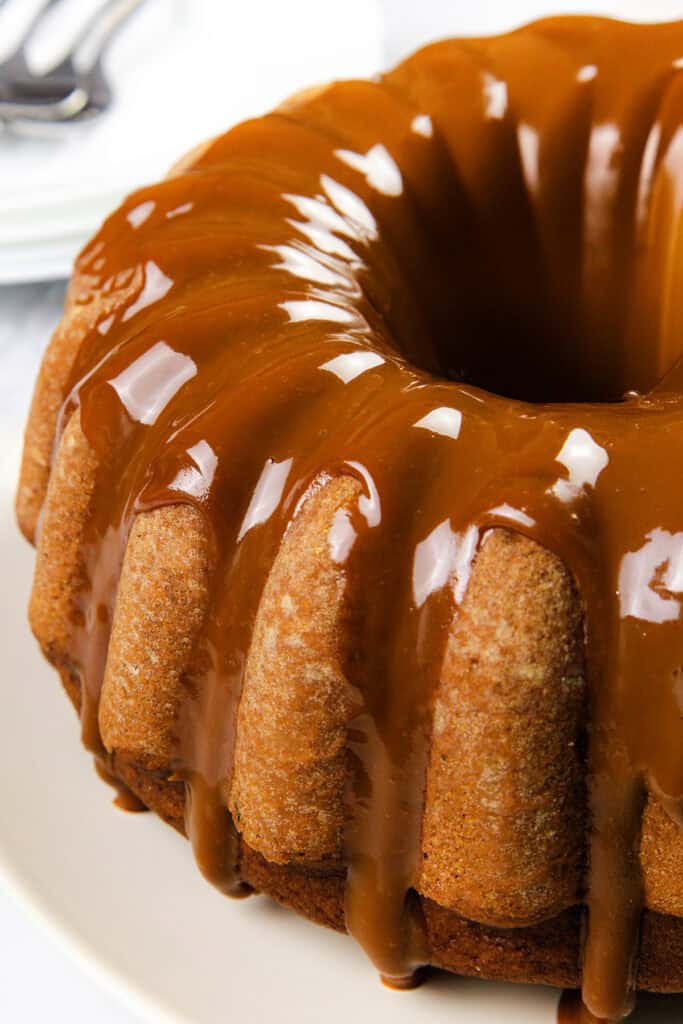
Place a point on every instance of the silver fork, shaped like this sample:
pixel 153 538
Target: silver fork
pixel 73 89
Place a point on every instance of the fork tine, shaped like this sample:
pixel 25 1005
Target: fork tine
pixel 100 29
pixel 18 55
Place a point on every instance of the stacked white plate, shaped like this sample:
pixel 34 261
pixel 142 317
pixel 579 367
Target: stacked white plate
pixel 181 71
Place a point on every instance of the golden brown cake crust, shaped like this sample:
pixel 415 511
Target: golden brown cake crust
pixel 503 828
pixel 60 573
pixel 545 953
pixel 290 754
pixel 80 315
pixel 160 609
pixel 143 761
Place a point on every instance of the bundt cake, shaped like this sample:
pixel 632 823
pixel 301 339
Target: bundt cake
pixel 352 473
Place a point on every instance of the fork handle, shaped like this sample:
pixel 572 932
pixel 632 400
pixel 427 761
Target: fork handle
pixel 99 31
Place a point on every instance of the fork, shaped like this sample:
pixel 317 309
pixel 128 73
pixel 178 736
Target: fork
pixel 75 87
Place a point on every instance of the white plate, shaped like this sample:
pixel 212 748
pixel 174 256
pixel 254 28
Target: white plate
pixel 122 893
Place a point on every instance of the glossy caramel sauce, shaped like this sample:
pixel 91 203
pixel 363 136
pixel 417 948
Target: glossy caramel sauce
pixel 459 284
pixel 571 1010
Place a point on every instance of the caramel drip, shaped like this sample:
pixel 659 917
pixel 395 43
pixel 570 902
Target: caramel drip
pixel 571 1010
pixel 459 285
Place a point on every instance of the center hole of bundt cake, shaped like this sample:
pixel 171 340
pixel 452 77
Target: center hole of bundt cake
pixel 512 356
pixel 521 354
pixel 511 332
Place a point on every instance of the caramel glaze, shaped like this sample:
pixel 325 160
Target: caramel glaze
pixel 458 284
pixel 571 1009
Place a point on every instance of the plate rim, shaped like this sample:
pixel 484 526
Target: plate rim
pixel 84 955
